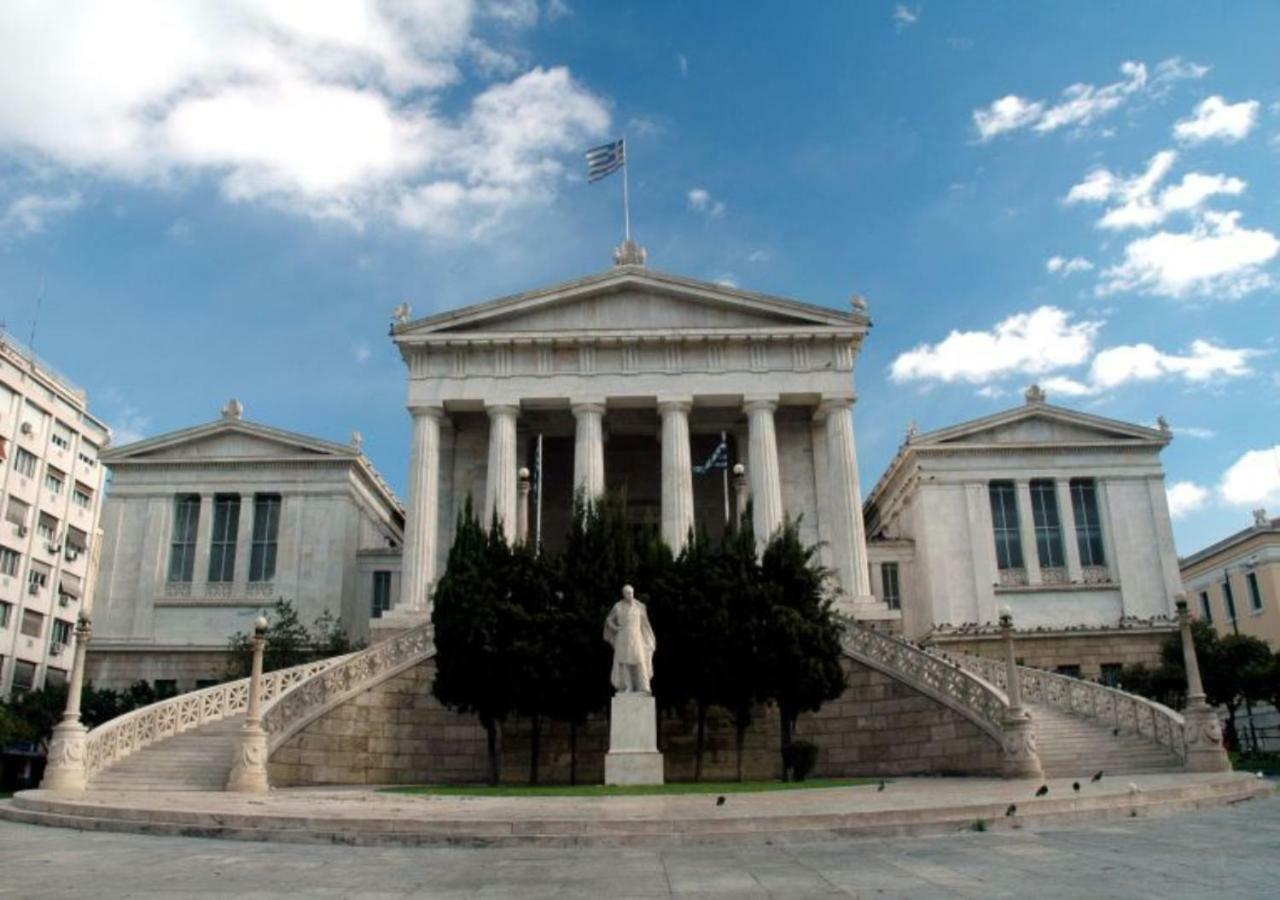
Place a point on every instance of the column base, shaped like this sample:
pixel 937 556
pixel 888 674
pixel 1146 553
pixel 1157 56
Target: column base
pixel 1021 759
pixel 65 768
pixel 866 608
pixel 396 621
pixel 1203 734
pixel 249 770
pixel 633 756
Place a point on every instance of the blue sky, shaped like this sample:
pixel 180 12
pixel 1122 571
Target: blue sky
pixel 228 199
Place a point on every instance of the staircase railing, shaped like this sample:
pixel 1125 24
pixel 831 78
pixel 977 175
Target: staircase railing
pixel 1117 709
pixel 125 735
pixel 292 709
pixel 971 694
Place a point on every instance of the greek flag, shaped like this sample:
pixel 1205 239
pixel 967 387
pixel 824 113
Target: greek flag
pixel 719 459
pixel 606 159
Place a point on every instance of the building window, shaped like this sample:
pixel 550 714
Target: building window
pixel 8 561
pixel 1004 521
pixel 1206 608
pixel 222 546
pixel 266 529
pixel 6 613
pixel 1111 674
pixel 54 479
pixel 82 496
pixel 1229 598
pixel 182 550
pixel 24 463
pixel 54 676
pixel 47 528
pixel 24 675
pixel 889 585
pixel 37 576
pixel 61 633
pixel 61 436
pixel 1071 670
pixel 77 541
pixel 32 623
pixel 1044 512
pixel 16 512
pixel 381 593
pixel 1255 592
pixel 1084 505
pixel 87 459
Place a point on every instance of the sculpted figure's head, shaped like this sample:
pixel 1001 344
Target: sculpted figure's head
pixel 628 592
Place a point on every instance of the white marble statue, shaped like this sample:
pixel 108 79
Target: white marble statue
pixel 627 629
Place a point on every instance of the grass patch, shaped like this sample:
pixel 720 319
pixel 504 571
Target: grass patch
pixel 1266 763
pixel 639 790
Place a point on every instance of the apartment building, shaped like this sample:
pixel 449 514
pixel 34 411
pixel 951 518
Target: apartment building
pixel 1234 584
pixel 51 486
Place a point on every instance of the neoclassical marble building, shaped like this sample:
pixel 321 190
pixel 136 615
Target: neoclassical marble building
pixel 627 379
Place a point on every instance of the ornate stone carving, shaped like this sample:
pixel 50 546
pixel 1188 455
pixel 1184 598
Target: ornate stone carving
pixel 1035 394
pixel 233 410
pixel 629 253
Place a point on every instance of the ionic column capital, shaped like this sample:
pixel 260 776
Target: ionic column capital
pixel 828 405
pixel 675 404
pixel 500 410
pixel 587 406
pixel 757 403
pixel 433 411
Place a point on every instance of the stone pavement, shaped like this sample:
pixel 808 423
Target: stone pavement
pixel 1224 852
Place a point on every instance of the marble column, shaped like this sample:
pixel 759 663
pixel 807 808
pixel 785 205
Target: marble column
pixel 421 516
pixel 766 481
pixel 500 479
pixel 204 534
pixel 844 499
pixel 588 449
pixel 677 473
pixel 1027 530
pixel 1070 543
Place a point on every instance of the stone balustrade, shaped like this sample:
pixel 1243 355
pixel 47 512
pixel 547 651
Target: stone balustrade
pixel 1127 712
pixel 124 735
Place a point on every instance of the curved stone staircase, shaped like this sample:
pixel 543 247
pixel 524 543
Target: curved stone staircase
pixel 188 742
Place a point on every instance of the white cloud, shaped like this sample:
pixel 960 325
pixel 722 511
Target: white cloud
pixel 1060 265
pixel 1216 119
pixel 1083 103
pixel 326 110
pixel 728 279
pixel 1191 431
pixel 1176 69
pixel 682 62
pixel 904 17
pixel 701 201
pixel 758 256
pixel 1253 478
pixel 1216 258
pixel 558 9
pixel 1006 114
pixel 1204 362
pixel 1025 343
pixel 1185 497
pixel 30 213
pixel 128 426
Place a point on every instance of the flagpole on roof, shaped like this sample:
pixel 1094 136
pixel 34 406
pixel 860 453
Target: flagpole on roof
pixel 626 200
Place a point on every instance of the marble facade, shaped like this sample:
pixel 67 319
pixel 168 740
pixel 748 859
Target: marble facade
pixel 629 377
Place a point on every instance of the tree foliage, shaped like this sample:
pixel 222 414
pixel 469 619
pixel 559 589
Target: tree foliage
pixel 289 642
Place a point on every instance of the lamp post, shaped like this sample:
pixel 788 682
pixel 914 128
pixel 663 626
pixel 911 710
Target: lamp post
pixel 523 487
pixel 739 493
pixel 249 768
pixel 1202 732
pixel 65 769
pixel 1021 760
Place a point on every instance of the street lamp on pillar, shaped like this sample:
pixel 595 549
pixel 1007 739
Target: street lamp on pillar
pixel 1201 729
pixel 65 770
pixel 523 487
pixel 739 492
pixel 1021 759
pixel 249 768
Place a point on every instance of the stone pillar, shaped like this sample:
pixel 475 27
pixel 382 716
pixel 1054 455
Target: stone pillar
pixel 500 479
pixel 249 767
pixel 523 487
pixel 677 473
pixel 244 544
pixel 766 482
pixel 588 449
pixel 1201 729
pixel 204 533
pixel 420 524
pixel 844 501
pixel 65 770
pixel 1020 757
pixel 1070 543
pixel 741 494
pixel 1027 529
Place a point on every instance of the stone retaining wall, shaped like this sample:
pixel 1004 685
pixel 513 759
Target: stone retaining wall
pixel 397 733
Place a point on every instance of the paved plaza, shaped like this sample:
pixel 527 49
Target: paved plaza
pixel 1226 852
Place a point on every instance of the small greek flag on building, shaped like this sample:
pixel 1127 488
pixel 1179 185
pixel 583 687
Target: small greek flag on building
pixel 606 159
pixel 719 459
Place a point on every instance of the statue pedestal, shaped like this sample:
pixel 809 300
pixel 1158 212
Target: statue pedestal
pixel 633 756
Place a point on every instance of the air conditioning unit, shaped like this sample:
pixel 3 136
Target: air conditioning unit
pixel 53 548
pixel 26 428
pixel 33 588
pixel 64 601
pixel 22 531
pixel 72 554
pixel 56 649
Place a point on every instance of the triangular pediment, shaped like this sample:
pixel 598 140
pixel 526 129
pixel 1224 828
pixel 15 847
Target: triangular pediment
pixel 631 299
pixel 1040 424
pixel 226 440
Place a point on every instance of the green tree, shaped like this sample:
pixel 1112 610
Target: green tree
pixel 802 650
pixel 289 642
pixel 472 615
pixel 536 656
